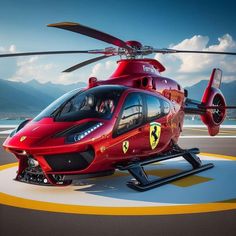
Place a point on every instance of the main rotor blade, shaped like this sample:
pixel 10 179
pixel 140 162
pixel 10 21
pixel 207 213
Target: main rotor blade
pixel 93 33
pixel 167 50
pixel 52 52
pixel 85 63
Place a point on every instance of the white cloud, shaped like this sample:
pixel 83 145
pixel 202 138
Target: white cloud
pixel 69 78
pixel 37 68
pixel 10 49
pixel 7 65
pixel 45 70
pixel 30 68
pixel 103 70
pixel 40 68
pixel 193 65
pixel 229 78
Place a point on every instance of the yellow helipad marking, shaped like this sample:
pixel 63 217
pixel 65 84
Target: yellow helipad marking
pixel 206 130
pixel 3 167
pixel 92 210
pixel 232 158
pixel 202 130
pixel 186 182
pixel 100 210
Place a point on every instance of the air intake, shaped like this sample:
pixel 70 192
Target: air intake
pixel 70 161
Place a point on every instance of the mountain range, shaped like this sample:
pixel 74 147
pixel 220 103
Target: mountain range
pixel 18 98
pixel 28 99
pixel 228 89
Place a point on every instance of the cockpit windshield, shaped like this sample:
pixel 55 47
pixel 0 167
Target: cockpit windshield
pixel 98 102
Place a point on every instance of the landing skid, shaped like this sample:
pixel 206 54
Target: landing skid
pixel 143 183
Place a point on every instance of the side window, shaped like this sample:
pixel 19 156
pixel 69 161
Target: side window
pixel 156 107
pixel 132 113
pixel 166 109
pixel 153 107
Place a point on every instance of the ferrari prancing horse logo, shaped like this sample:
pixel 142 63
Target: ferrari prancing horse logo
pixel 125 146
pixel 155 133
pixel 23 138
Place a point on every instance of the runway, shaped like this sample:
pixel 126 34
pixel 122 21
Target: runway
pixel 16 220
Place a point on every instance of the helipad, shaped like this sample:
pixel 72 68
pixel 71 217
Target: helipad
pixel 211 190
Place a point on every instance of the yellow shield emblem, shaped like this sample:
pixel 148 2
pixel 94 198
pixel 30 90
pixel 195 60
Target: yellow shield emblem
pixel 23 138
pixel 125 146
pixel 155 133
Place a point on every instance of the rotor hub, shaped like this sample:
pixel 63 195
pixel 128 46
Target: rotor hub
pixel 134 44
pixel 135 49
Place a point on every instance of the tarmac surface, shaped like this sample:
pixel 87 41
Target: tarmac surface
pixel 19 221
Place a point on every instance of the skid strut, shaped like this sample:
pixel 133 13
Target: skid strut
pixel 143 183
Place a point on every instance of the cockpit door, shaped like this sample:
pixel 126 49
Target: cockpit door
pixel 128 139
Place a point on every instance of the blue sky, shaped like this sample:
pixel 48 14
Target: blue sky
pixel 156 23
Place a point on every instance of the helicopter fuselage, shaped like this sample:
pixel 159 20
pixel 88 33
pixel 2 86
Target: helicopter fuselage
pixel 146 118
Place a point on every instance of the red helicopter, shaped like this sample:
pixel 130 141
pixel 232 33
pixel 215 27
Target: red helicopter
pixel 132 119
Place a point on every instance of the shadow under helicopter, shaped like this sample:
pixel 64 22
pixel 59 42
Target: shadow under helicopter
pixel 213 185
